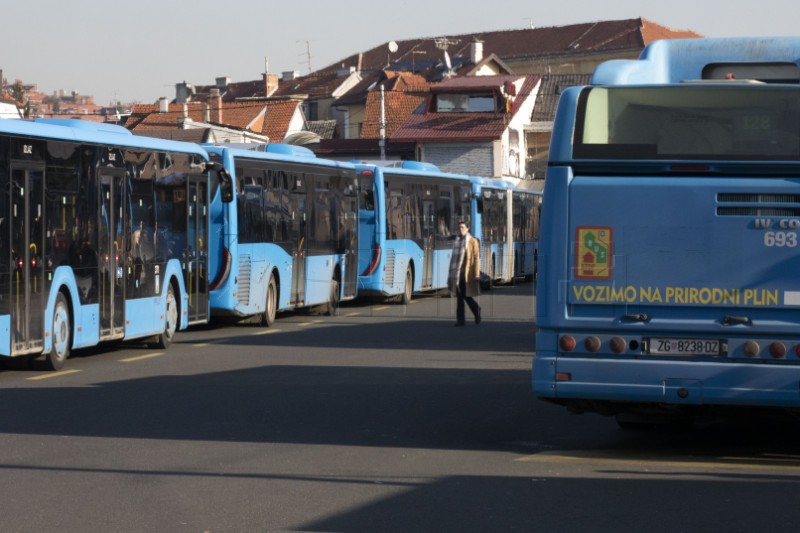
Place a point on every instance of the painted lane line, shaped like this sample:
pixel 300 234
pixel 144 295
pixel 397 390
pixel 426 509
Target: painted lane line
pixel 267 332
pixel 141 357
pixel 53 375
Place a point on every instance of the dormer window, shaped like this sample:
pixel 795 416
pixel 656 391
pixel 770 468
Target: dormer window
pixel 465 103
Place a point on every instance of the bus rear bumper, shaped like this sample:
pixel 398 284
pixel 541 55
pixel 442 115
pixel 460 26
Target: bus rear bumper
pixel 673 382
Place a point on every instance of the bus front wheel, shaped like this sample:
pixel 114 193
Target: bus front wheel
pixel 62 330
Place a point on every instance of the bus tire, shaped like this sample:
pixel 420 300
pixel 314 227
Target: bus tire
pixel 332 306
pixel 408 288
pixel 271 303
pixel 165 338
pixel 61 335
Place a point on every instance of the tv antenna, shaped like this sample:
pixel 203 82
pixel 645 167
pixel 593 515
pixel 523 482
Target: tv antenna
pixel 308 53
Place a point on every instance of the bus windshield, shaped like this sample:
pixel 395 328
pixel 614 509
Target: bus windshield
pixel 697 122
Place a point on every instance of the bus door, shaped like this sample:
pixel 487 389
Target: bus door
pixel 27 253
pixel 195 269
pixel 112 248
pixel 347 236
pixel 429 195
pixel 297 237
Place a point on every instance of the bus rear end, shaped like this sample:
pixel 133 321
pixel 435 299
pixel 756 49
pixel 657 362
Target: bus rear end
pixel 670 249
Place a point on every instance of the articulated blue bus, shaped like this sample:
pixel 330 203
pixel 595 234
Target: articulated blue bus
pixel 507 224
pixel 290 238
pixel 669 261
pixel 409 212
pixel 408 215
pixel 101 237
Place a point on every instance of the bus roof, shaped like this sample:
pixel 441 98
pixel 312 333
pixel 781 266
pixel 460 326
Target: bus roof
pixel 771 59
pixel 73 130
pixel 276 152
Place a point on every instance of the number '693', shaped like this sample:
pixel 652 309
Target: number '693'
pixel 780 239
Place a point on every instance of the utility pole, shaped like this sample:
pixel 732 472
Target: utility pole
pixel 382 142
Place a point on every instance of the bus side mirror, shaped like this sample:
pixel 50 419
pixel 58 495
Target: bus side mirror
pixel 225 186
pixel 225 180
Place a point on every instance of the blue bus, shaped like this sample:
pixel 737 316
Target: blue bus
pixel 290 238
pixel 669 262
pixel 408 214
pixel 507 225
pixel 526 207
pixel 101 237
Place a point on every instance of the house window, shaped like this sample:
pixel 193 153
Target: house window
pixel 465 103
pixel 313 111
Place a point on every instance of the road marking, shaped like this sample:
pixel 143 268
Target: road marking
pixel 758 462
pixel 201 345
pixel 267 332
pixel 141 357
pixel 53 375
pixel 353 314
pixel 303 324
pixel 381 308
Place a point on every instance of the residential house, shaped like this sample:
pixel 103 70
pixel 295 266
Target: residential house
pixel 540 128
pixel 559 55
pixel 474 125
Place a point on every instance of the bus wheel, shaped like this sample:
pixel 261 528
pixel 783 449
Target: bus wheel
pixel 408 288
pixel 333 302
pixel 164 339
pixel 271 305
pixel 61 335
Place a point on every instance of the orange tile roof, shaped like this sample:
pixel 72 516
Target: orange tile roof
pixel 241 115
pixel 589 37
pixel 278 118
pixel 398 107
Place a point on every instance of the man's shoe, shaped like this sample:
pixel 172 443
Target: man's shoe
pixel 459 324
pixel 478 318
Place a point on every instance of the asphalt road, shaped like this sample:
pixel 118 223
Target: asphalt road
pixel 383 418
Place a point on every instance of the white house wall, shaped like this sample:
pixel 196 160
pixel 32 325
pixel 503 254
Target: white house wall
pixel 461 158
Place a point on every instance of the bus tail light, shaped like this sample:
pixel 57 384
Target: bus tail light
pixel 376 258
pixel 618 345
pixel 224 271
pixel 592 344
pixel 751 349
pixel 567 343
pixel 777 350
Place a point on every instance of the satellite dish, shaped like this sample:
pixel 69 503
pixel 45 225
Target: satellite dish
pixel 393 46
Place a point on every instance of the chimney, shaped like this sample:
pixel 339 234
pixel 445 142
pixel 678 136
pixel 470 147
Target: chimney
pixel 183 92
pixel 476 51
pixel 270 83
pixel 206 113
pixel 215 102
pixel 163 105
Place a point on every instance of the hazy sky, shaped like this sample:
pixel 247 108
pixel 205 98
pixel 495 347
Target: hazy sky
pixel 138 50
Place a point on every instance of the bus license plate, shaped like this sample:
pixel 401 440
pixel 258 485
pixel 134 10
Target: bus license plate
pixel 672 346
